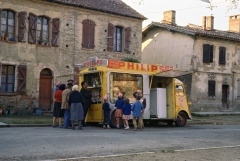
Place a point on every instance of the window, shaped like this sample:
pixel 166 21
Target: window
pixel 211 88
pixel 7 78
pixel 207 53
pixel 117 39
pixel 88 34
pixel 8 24
pixel 42 30
pixel 126 84
pixel 222 55
pixel 39 30
pixel 238 82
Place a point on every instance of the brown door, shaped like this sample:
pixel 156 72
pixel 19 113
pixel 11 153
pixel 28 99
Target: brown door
pixel 45 91
pixel 225 96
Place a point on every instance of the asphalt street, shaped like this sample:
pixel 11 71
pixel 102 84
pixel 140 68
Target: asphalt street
pixel 46 143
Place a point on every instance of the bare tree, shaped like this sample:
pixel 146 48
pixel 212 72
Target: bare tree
pixel 233 4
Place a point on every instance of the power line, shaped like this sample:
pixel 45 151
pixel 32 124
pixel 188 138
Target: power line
pixel 187 8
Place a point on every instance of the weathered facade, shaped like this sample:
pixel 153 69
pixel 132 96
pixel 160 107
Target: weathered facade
pixel 211 56
pixel 42 40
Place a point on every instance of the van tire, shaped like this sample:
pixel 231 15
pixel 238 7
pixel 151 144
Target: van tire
pixel 181 119
pixel 113 121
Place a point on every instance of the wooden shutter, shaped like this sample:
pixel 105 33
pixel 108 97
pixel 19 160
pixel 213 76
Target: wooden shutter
pixel 206 56
pixel 92 34
pixel 0 75
pixel 32 28
pixel 22 77
pixel 222 55
pixel 210 53
pixel 211 88
pixel 111 28
pixel 0 18
pixel 76 76
pixel 21 25
pixel 238 81
pixel 85 33
pixel 55 31
pixel 127 39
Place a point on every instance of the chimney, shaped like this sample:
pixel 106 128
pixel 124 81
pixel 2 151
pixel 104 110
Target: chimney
pixel 234 23
pixel 208 22
pixel 169 17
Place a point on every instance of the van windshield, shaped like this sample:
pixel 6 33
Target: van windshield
pixel 125 83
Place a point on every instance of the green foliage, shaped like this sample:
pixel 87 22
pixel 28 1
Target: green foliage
pixel 130 60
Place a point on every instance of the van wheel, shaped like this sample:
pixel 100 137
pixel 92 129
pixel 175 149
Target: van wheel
pixel 114 120
pixel 181 119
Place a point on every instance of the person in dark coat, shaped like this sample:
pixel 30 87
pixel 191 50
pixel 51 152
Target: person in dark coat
pixel 87 99
pixel 76 106
pixel 106 111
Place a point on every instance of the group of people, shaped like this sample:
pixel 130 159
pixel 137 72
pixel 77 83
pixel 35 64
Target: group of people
pixel 123 110
pixel 71 104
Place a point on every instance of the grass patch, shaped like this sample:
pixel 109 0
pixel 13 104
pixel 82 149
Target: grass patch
pixel 26 119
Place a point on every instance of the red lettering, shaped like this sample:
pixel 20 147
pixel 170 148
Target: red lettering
pixel 130 65
pixel 137 68
pixel 121 64
pixel 142 67
pixel 162 68
pixel 154 67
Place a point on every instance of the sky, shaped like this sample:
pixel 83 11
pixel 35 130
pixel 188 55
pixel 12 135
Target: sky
pixel 187 11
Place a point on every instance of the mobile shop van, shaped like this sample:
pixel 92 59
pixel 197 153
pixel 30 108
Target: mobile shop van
pixel 165 95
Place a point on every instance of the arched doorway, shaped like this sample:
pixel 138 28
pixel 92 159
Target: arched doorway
pixel 45 90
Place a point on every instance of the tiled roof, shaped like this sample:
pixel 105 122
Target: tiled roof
pixel 110 6
pixel 195 30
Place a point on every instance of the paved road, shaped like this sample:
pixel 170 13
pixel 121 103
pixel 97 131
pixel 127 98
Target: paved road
pixel 42 143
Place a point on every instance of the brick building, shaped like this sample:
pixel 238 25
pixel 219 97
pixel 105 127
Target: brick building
pixel 44 39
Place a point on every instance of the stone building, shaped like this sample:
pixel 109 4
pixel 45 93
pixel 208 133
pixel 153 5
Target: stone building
pixel 211 56
pixel 42 40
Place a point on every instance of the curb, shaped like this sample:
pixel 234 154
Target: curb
pixel 25 125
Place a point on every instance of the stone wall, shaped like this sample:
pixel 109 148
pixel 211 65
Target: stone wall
pixel 60 60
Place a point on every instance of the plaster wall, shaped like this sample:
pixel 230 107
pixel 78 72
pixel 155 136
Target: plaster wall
pixel 168 48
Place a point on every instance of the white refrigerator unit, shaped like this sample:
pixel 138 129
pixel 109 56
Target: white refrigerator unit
pixel 158 102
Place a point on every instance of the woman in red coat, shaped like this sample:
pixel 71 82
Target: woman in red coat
pixel 57 111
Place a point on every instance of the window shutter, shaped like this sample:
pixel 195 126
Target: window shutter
pixel 206 56
pixel 0 75
pixel 127 39
pixel 21 25
pixel 211 88
pixel 111 28
pixel 76 76
pixel 55 31
pixel 211 53
pixel 22 77
pixel 32 28
pixel 238 81
pixel 92 34
pixel 222 55
pixel 0 18
pixel 85 32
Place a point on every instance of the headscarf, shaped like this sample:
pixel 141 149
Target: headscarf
pixel 75 88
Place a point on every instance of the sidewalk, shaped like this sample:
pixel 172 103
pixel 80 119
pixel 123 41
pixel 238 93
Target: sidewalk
pixel 198 118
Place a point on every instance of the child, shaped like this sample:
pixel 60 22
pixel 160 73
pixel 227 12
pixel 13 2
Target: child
pixel 106 110
pixel 119 104
pixel 126 112
pixel 137 109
